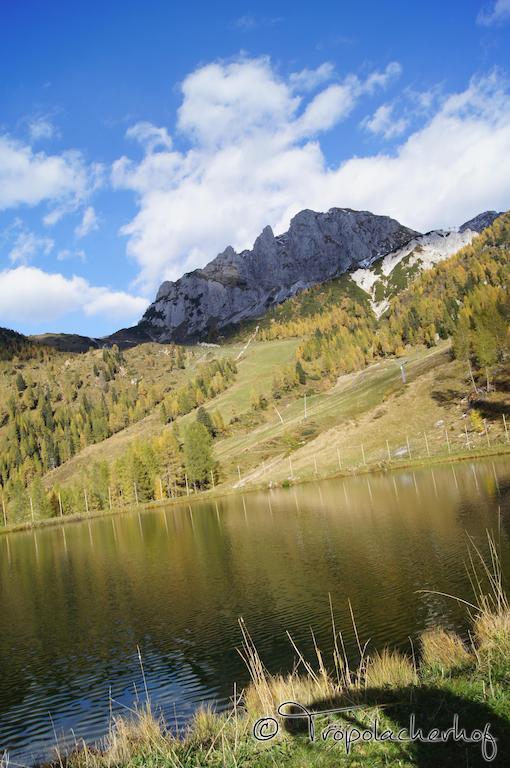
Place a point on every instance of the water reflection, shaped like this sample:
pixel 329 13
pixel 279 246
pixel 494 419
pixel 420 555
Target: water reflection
pixel 77 601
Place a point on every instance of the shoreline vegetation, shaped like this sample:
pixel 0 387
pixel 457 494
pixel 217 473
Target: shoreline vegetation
pixel 452 695
pixel 238 489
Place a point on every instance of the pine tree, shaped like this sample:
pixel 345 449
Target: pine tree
pixel 98 483
pixel 300 373
pixel 204 417
pixel 142 479
pixel 198 454
pixel 219 422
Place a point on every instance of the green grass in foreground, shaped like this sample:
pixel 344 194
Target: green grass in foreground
pixel 470 682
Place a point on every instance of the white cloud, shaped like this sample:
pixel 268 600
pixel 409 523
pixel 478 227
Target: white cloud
pixel 27 245
pixel 457 165
pixel 41 128
pixel 309 79
pixel 88 223
pixel 383 122
pixel 223 103
pixel 150 136
pixel 54 216
pixel 423 103
pixel 495 13
pixel 251 161
pixel 327 108
pixel 66 255
pixel 30 178
pixel 114 304
pixel 336 102
pixel 255 159
pixel 30 296
pixel 382 79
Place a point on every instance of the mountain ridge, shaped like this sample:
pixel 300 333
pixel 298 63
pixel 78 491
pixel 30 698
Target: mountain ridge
pixel 238 286
pixel 318 247
pixel 363 254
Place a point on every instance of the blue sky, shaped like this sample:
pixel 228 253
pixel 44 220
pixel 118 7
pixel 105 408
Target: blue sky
pixel 138 139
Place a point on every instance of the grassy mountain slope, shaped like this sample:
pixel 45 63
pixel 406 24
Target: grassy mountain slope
pixel 335 419
pixel 255 370
pixel 449 328
pixel 356 416
pixel 67 342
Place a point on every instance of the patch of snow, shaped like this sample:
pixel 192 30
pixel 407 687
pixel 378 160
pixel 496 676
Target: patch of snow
pixel 365 279
pixel 425 250
pixel 379 307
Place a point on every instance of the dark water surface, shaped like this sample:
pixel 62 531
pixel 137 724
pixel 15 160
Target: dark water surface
pixel 76 601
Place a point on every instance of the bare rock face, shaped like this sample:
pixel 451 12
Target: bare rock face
pixel 237 286
pixel 317 247
pixel 480 222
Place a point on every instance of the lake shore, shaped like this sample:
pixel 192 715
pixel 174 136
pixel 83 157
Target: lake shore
pixel 443 703
pixel 223 491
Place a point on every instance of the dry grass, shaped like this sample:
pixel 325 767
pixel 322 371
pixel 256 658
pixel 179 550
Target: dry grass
pixel 492 617
pixel 444 651
pixel 141 733
pixel 389 669
pixel 490 613
pixel 127 736
pixel 487 579
pixel 266 692
pixel 492 630
pixel 204 726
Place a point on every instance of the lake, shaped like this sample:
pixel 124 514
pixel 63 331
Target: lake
pixel 77 601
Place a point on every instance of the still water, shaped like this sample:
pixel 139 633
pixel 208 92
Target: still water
pixel 77 601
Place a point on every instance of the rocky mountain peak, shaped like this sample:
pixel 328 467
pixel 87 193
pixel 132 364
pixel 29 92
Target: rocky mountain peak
pixel 237 286
pixel 317 247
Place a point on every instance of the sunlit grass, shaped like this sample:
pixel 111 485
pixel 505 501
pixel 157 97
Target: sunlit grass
pixel 390 669
pixel 443 651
